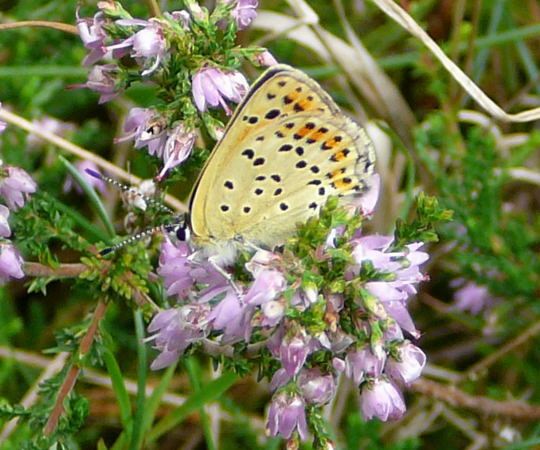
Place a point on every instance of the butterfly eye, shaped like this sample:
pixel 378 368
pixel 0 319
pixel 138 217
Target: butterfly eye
pixel 182 233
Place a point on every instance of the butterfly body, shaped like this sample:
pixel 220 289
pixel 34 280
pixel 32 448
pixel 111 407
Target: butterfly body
pixel 287 148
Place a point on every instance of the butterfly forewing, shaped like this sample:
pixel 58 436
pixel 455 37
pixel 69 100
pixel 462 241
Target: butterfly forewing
pixel 286 149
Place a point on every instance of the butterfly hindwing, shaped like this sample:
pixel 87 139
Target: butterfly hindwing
pixel 287 148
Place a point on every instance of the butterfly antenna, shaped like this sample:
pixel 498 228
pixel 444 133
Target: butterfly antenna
pixel 178 226
pixel 130 240
pixel 125 188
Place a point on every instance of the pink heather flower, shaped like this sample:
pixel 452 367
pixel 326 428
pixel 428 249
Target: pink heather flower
pixel 339 365
pixel 266 286
pixel 262 260
pixel 304 298
pixel 335 233
pixel 294 351
pixel 16 186
pixel 472 297
pixel 10 262
pixel 273 312
pixel 147 45
pixel 232 316
pixel 82 166
pixel 392 332
pixel 51 125
pixel 394 300
pixel 93 36
pixel 196 11
pixel 147 129
pixel 177 148
pixel 374 248
pixel 367 202
pixel 362 363
pixel 181 274
pixel 317 388
pixel 182 17
pixel 212 86
pixel 337 341
pixel 380 398
pixel 101 79
pixel 409 366
pixel 175 329
pixel 243 12
pixel 265 59
pixel 174 267
pixel 5 231
pixel 280 378
pixel 287 413
pixel 403 265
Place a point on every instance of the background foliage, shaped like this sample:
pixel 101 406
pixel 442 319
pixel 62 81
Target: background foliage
pixel 486 172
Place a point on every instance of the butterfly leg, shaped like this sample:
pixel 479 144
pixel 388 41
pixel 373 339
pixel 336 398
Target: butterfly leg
pixel 213 260
pixel 253 246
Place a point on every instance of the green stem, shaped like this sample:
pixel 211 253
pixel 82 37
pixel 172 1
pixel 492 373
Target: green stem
pixel 191 369
pixel 140 401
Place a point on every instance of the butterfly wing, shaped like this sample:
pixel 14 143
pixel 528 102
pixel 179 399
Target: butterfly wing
pixel 287 148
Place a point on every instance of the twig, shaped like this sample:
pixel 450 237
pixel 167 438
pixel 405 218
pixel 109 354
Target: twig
pixel 523 174
pixel 533 330
pixel 75 369
pixel 392 9
pixel 81 153
pixel 89 375
pixel 513 409
pixel 34 269
pixel 51 368
pixel 73 270
pixel 153 7
pixel 101 379
pixel 40 23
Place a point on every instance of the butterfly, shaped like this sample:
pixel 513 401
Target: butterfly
pixel 286 149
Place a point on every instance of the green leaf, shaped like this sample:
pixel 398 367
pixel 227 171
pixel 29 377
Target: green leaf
pixel 119 388
pixel 211 392
pixel 92 196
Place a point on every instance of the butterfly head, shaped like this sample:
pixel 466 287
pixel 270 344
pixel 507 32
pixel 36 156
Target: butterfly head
pixel 179 228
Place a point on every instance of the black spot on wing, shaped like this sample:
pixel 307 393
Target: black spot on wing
pixel 272 114
pixel 285 148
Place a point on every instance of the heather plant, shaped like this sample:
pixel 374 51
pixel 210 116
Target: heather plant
pixel 397 321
